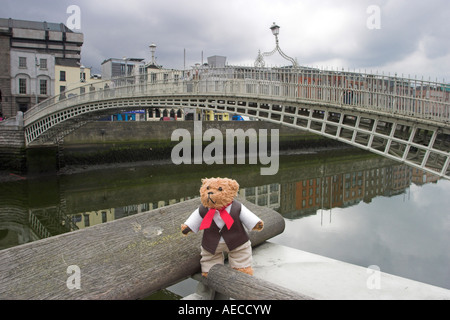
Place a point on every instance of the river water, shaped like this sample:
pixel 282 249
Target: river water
pixel 346 204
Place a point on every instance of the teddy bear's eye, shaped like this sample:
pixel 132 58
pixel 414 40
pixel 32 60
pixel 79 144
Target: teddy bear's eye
pixel 220 189
pixel 207 188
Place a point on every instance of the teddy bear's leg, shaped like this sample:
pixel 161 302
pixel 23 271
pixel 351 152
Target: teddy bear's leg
pixel 208 259
pixel 241 258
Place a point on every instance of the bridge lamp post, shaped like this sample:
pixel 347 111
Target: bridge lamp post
pixel 259 62
pixel 275 31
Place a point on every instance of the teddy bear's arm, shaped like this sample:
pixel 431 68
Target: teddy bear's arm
pixel 192 224
pixel 185 229
pixel 259 226
pixel 250 220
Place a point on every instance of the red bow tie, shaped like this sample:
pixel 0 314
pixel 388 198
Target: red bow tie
pixel 226 217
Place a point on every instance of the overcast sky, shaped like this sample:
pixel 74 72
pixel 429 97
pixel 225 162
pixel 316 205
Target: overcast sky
pixel 411 37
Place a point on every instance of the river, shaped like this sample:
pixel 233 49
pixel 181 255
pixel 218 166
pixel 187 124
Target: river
pixel 346 204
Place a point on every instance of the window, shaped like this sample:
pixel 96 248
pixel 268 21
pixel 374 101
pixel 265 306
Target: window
pixel 43 63
pixel 43 87
pixel 22 86
pixel 62 76
pixel 62 89
pixel 22 62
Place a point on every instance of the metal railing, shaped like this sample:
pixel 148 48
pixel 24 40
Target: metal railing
pixel 391 94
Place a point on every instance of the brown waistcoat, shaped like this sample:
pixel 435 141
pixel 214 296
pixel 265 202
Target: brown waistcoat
pixel 236 236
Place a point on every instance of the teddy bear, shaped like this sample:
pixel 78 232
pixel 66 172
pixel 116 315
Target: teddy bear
pixel 225 222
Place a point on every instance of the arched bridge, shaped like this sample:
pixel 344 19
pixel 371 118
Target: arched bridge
pixel 399 118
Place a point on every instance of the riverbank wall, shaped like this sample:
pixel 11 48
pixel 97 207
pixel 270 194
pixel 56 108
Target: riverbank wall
pixel 12 149
pixel 105 142
pixel 112 142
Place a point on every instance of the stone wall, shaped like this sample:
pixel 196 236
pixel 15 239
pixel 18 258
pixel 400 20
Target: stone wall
pixel 12 149
pixel 112 142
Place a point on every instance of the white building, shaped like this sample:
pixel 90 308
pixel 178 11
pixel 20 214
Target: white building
pixel 32 77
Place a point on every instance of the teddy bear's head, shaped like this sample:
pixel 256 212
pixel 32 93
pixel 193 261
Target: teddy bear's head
pixel 218 192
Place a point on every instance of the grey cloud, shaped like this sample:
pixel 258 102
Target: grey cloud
pixel 238 29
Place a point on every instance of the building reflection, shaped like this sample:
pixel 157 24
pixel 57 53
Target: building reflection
pixel 343 190
pixel 299 198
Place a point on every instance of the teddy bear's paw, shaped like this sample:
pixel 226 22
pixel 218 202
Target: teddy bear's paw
pixel 259 226
pixel 247 270
pixel 185 229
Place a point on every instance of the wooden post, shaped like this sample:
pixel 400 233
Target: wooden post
pixel 129 258
pixel 241 286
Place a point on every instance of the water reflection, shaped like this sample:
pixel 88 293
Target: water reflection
pixel 405 234
pixel 32 210
pixel 349 205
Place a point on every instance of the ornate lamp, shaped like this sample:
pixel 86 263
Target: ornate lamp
pixel 259 62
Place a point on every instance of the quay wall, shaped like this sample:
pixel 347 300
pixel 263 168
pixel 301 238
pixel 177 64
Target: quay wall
pixel 12 149
pixel 105 142
pixel 110 142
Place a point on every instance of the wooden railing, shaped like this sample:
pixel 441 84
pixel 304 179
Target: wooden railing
pixel 129 258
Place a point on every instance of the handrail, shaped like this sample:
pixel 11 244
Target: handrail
pixel 410 97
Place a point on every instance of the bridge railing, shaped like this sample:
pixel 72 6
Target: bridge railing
pixel 392 94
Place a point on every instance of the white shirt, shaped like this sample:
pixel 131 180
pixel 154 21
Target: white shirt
pixel 248 219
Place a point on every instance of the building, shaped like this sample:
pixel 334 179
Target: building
pixel 217 61
pixel 70 75
pixel 113 67
pixel 32 77
pixel 5 72
pixel 149 74
pixel 30 50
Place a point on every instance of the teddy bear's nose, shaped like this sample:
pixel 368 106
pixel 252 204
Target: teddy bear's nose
pixel 210 192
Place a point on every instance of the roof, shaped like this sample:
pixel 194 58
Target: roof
pixel 123 60
pixel 34 25
pixel 67 62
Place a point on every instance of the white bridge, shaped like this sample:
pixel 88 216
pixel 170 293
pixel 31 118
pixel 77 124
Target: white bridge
pixel 399 118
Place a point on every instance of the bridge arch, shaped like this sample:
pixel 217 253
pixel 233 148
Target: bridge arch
pixel 386 116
